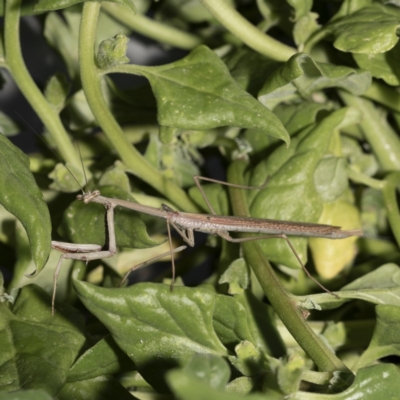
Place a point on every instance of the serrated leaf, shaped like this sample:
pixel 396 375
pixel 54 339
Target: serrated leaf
pixel 370 30
pixel 301 76
pixel 198 93
pixel 85 223
pixel 22 198
pixel 37 349
pixel 154 326
pixel 50 5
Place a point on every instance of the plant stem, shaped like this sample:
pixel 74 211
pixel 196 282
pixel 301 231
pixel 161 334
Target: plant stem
pixel 247 32
pixel 91 82
pixel 153 29
pixel 384 141
pixel 23 79
pixel 392 181
pixel 286 308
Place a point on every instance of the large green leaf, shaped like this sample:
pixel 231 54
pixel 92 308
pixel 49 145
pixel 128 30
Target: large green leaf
pixel 291 177
pixel 301 76
pixel 157 328
pixel 37 349
pixel 198 92
pixel 21 196
pixel 370 30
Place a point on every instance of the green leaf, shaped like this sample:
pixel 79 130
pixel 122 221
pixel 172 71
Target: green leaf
pixel 381 286
pixel 67 178
pixel 330 178
pixel 49 5
pixel 157 328
pixel 386 339
pixel 112 51
pixel 7 126
pixel 197 92
pixel 22 198
pixel 26 395
pixel 37 349
pixel 296 117
pixel 301 76
pixel 85 223
pixel 99 388
pixel 371 30
pixel 56 91
pixel 187 387
pixel 290 173
pixel 237 276
pixel 382 65
pixel 104 358
pixel 115 176
pixel 305 27
pixel 210 368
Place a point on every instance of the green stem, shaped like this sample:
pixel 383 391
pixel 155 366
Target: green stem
pixel 388 96
pixel 91 82
pixel 366 180
pixel 27 86
pixel 283 305
pixel 392 181
pixel 247 32
pixel 382 138
pixel 151 28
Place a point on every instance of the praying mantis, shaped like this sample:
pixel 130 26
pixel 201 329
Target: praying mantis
pixel 186 223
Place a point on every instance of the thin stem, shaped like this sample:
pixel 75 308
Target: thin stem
pixel 283 305
pixel 91 83
pixel 153 29
pixel 247 32
pixel 366 180
pixel 384 141
pixel 23 79
pixel 392 182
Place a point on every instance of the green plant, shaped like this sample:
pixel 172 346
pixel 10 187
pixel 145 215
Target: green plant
pixel 320 120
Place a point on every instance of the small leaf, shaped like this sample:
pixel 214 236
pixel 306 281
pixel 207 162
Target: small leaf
pixel 371 30
pixel 7 126
pixel 386 339
pixel 198 93
pixel 67 178
pixel 187 387
pixel 56 91
pixel 22 198
pixel 113 51
pixel 48 5
pixel 211 369
pixel 237 276
pixel 157 328
pixel 302 76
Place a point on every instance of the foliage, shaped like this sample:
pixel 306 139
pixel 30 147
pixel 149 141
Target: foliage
pixel 319 117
